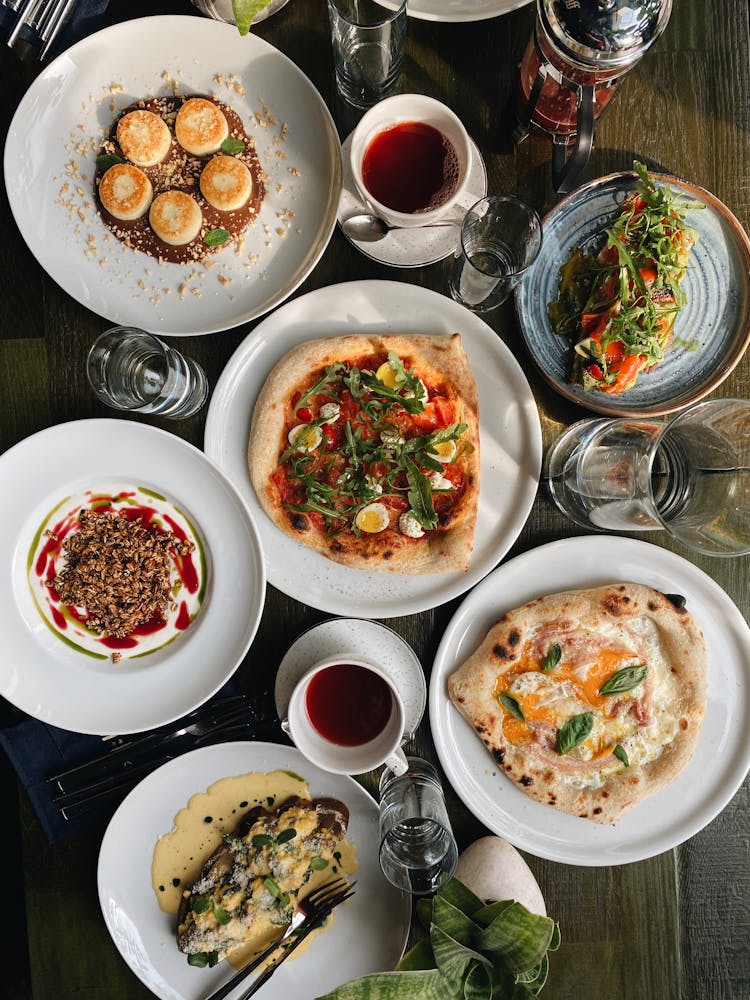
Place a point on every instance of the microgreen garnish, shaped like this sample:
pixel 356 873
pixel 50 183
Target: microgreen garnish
pixel 552 658
pixel 232 146
pixel 574 732
pixel 107 160
pixel 511 705
pixel 619 752
pixel 203 959
pixel 318 864
pixel 624 680
pixel 276 891
pixel 216 237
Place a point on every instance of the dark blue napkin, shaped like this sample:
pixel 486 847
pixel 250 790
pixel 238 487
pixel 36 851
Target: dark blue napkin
pixel 84 19
pixel 37 750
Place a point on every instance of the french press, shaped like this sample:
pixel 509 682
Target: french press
pixel 579 51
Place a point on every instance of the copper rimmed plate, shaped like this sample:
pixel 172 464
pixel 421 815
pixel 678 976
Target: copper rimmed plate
pixel 712 331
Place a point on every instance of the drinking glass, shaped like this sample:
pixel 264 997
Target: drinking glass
pixel 368 48
pixel 130 369
pixel 689 476
pixel 417 849
pixel 500 240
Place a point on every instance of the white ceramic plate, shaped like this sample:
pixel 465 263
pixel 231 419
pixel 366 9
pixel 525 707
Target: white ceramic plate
pixel 134 55
pixel 510 441
pixel 721 759
pixel 368 934
pixel 458 10
pixel 66 688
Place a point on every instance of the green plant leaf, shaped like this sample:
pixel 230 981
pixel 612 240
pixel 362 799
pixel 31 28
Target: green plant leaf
pixel 222 916
pixel 203 905
pixel 535 978
pixel 488 913
pixel 458 895
pixel 478 984
pixel 621 754
pixel 418 957
pixel 199 961
pixel 244 11
pixel 520 937
pixel 510 704
pixel 107 160
pixel 262 840
pixel 420 497
pixel 574 732
pixel 424 911
pixel 286 835
pixel 318 864
pixel 455 922
pixel 624 680
pixel 232 146
pixel 453 957
pixel 420 985
pixel 216 237
pixel 555 942
pixel 552 658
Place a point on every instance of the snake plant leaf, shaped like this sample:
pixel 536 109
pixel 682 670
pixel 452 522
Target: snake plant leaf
pixel 424 912
pixel 535 978
pixel 418 957
pixel 522 938
pixel 455 892
pixel 555 942
pixel 453 921
pixel 478 984
pixel 487 914
pixel 420 985
pixel 453 958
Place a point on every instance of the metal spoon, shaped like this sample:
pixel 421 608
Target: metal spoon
pixel 367 228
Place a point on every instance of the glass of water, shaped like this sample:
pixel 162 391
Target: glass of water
pixel 130 369
pixel 689 475
pixel 368 48
pixel 417 849
pixel 500 240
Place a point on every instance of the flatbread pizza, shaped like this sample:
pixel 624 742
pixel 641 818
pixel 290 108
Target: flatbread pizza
pixel 366 449
pixel 589 700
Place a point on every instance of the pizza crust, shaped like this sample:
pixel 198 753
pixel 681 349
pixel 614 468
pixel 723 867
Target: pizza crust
pixel 659 629
pixel 441 361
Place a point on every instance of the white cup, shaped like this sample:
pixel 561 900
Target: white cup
pixel 411 108
pixel 384 747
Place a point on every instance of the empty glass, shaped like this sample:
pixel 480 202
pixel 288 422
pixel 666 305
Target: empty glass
pixel 368 48
pixel 689 476
pixel 500 240
pixel 417 849
pixel 130 369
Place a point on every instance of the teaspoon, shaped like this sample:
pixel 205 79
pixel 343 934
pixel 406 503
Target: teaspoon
pixel 367 228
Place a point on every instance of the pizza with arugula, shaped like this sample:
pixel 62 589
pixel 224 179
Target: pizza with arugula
pixel 366 449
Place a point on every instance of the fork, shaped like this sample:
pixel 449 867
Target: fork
pixel 310 914
pixel 46 17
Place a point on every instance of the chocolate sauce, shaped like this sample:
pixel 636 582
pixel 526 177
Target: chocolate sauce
pixel 180 171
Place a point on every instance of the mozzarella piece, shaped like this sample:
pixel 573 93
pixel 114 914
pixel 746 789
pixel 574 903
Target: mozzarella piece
pixel 372 518
pixel 329 413
pixel 391 438
pixel 439 482
pixel 307 437
pixel 409 525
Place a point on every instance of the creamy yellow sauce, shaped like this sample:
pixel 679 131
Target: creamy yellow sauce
pixel 199 828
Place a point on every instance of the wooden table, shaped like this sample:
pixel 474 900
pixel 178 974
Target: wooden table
pixel 675 926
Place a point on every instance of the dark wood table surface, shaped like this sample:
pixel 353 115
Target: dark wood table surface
pixel 675 926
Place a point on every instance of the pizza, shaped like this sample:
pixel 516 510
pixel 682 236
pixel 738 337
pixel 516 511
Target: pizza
pixel 366 449
pixel 589 700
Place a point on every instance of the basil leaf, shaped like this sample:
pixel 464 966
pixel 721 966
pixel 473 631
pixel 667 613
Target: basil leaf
pixel 624 680
pixel 262 840
pixel 420 497
pixel 232 146
pixel 107 160
pixel 318 864
pixel 286 835
pixel 216 237
pixel 509 702
pixel 552 658
pixel 203 905
pixel 222 917
pixel 574 732
pixel 619 752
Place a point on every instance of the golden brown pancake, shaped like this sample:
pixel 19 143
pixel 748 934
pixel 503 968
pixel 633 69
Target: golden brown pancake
pixel 201 127
pixel 226 183
pixel 125 192
pixel 143 138
pixel 175 217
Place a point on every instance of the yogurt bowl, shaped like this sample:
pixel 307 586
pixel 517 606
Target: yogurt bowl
pixel 410 158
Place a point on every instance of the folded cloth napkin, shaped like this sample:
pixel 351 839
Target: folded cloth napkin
pixel 37 750
pixel 81 21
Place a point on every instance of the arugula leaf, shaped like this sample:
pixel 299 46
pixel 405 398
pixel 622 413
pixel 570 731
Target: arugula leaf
pixel 420 497
pixel 331 374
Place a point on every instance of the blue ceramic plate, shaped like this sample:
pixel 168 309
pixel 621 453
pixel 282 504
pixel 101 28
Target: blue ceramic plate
pixel 716 317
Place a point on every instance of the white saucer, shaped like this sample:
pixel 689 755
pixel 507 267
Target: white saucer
pixel 366 639
pixel 411 247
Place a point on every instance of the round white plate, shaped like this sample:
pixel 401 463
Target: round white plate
pixel 458 10
pixel 368 933
pixel 510 441
pixel 59 685
pixel 370 640
pixel 668 818
pixel 418 246
pixel 130 288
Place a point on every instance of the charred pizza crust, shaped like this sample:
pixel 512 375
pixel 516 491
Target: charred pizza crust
pixel 655 724
pixel 440 361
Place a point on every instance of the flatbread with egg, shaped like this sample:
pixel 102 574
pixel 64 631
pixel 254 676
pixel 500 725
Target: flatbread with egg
pixel 366 449
pixel 589 700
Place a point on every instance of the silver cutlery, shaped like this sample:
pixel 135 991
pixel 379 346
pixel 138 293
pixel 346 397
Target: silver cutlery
pixel 369 228
pixel 310 914
pixel 45 17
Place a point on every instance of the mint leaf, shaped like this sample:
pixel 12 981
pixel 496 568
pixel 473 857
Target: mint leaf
pixel 216 237
pixel 107 160
pixel 232 146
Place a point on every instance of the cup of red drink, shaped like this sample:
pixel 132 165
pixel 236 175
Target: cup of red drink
pixel 410 159
pixel 346 715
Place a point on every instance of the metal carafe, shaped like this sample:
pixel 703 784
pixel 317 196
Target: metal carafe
pixel 579 51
